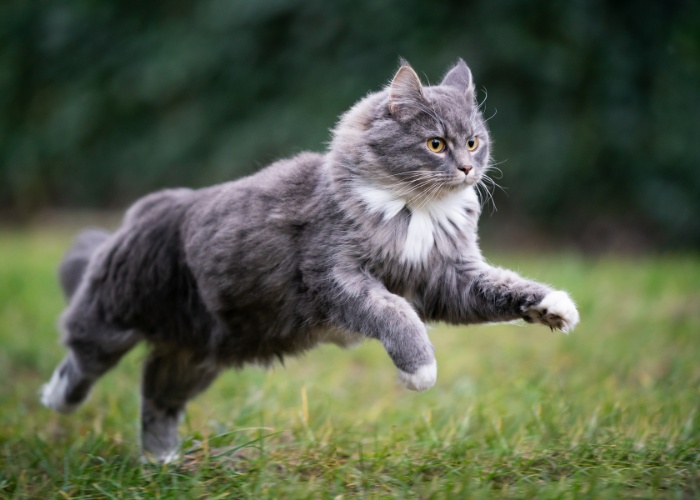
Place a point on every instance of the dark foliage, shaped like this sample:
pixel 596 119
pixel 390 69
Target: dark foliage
pixel 598 101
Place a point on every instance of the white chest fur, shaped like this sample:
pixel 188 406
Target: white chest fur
pixel 430 222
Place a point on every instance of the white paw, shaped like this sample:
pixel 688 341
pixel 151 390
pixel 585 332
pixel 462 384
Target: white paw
pixel 53 393
pixel 424 378
pixel 164 457
pixel 556 310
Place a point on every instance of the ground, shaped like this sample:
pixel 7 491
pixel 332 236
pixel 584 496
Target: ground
pixel 611 410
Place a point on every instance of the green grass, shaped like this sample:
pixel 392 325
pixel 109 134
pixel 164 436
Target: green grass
pixel 612 410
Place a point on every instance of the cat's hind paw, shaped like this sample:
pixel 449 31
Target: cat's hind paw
pixel 422 379
pixel 556 310
pixel 53 393
pixel 161 458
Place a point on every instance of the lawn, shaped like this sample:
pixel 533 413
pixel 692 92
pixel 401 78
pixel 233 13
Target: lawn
pixel 613 410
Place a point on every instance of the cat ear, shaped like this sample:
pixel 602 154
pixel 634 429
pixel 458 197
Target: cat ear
pixel 405 92
pixel 460 76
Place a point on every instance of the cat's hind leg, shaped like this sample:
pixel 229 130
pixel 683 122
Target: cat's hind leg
pixel 171 377
pixel 93 348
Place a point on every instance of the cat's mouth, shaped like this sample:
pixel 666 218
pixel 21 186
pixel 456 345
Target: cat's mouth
pixel 466 175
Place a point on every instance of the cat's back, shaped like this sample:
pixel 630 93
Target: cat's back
pixel 280 191
pixel 250 231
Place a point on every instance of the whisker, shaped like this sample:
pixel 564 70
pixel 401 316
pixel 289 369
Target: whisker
pixel 417 200
pixel 431 194
pixel 486 95
pixel 495 184
pixel 493 164
pixel 486 197
pixel 487 173
pixel 494 114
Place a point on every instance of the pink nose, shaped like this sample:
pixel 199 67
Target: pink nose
pixel 466 169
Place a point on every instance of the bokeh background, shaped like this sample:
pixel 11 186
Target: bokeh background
pixel 597 102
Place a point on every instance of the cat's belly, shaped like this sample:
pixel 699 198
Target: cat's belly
pixel 337 336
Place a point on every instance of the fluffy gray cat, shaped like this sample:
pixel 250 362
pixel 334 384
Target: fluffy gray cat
pixel 370 240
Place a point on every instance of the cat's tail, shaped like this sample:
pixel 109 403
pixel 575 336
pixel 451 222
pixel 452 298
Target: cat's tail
pixel 76 259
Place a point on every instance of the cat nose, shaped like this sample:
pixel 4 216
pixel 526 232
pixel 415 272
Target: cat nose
pixel 465 168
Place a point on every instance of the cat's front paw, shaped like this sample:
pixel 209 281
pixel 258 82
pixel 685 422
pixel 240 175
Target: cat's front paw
pixel 422 379
pixel 556 310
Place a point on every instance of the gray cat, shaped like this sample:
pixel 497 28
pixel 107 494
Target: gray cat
pixel 370 240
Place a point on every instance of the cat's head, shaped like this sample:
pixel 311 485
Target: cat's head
pixel 417 141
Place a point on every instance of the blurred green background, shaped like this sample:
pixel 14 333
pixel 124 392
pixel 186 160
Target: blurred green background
pixel 598 102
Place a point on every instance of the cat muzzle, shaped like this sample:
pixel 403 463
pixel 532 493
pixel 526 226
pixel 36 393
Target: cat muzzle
pixel 466 169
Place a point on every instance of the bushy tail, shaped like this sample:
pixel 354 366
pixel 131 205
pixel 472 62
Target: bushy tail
pixel 74 263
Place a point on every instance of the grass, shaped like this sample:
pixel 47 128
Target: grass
pixel 612 410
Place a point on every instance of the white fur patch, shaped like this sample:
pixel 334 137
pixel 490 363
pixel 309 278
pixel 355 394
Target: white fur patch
pixel 53 394
pixel 166 457
pixel 556 310
pixel 420 236
pixel 429 222
pixel 423 379
pixel 381 200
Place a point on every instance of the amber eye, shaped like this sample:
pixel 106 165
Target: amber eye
pixel 436 144
pixel 472 144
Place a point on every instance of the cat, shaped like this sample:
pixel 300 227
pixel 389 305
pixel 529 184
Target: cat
pixel 370 240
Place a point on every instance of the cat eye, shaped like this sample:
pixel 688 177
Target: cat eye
pixel 436 144
pixel 472 144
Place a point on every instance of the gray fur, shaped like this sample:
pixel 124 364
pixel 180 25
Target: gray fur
pixel 370 240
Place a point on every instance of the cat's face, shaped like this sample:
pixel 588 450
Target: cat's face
pixel 428 141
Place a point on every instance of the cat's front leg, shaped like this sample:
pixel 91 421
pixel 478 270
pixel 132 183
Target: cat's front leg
pixel 503 295
pixel 368 308
pixel 479 293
